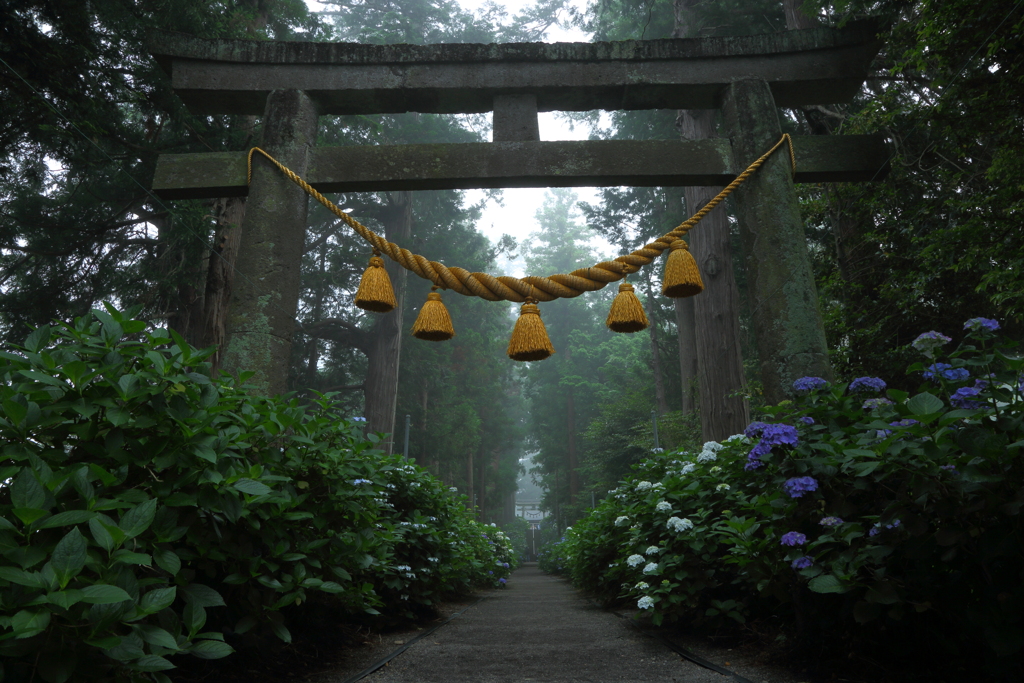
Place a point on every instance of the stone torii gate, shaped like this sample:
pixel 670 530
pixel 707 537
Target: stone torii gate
pixel 291 84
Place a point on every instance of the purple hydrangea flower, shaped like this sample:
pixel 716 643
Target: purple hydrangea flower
pixel 873 403
pixel 754 429
pixel 753 464
pixel 502 581
pixel 762 448
pixel 862 384
pixel 929 341
pixel 830 521
pixel 491 573
pixel 798 486
pixel 809 384
pixel 976 324
pixel 949 468
pixel 883 433
pixel 779 435
pixel 793 538
pixel 877 528
pixel 962 398
pixel 807 420
pixel 906 422
pixel 946 372
pixel 802 562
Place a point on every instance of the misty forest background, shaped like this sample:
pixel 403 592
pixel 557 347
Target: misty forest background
pixel 86 112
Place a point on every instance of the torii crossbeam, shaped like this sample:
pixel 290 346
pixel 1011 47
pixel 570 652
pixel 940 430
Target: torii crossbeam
pixel 291 84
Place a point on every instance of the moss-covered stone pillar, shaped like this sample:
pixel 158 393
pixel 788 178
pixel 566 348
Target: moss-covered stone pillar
pixel 266 287
pixel 787 321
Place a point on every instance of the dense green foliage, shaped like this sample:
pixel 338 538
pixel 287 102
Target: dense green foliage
pixel 148 509
pixel 845 508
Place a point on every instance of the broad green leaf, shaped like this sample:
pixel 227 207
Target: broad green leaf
pixel 826 583
pixel 865 468
pixel 27 623
pixel 149 663
pixel 67 518
pixel 331 587
pixel 27 492
pixel 281 631
pixel 65 599
pixel 210 649
pixel 5 525
pixel 69 556
pixel 194 618
pixel 925 404
pixel 128 557
pixel 104 594
pixel 138 519
pixel 168 560
pixel 154 635
pixel 253 488
pixel 201 595
pixel 101 534
pixel 104 643
pixel 22 577
pixel 29 515
pixel 157 599
pixel 43 378
pixel 14 411
pixel 39 338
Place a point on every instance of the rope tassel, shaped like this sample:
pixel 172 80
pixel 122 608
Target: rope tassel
pixel 433 323
pixel 627 313
pixel 529 338
pixel 375 291
pixel 682 277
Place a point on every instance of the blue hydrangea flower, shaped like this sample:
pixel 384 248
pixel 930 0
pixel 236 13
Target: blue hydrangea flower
pixel 502 581
pixel 830 521
pixel 874 403
pixel 798 486
pixel 929 341
pixel 357 482
pixel 976 324
pixel 802 562
pixel 962 398
pixel 809 384
pixel 877 528
pixel 807 420
pixel 906 422
pixel 753 464
pixel 862 384
pixel 946 372
pixel 779 435
pixel 754 429
pixel 793 538
pixel 949 468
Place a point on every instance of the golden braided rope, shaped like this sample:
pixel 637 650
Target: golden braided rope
pixel 508 288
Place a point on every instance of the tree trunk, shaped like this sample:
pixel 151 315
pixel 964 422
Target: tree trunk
pixel 796 16
pixel 659 381
pixel 470 489
pixel 386 337
pixel 570 425
pixel 687 353
pixel 716 324
pixel 220 276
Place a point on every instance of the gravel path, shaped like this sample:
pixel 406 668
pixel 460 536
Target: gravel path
pixel 539 629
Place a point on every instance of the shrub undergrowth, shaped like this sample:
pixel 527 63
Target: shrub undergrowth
pixel 851 510
pixel 148 509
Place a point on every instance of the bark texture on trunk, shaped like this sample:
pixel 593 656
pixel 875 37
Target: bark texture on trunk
pixel 796 16
pixel 687 353
pixel 220 276
pixel 385 344
pixel 266 293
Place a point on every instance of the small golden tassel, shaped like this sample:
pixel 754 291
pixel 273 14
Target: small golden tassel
pixel 682 278
pixel 375 292
pixel 627 313
pixel 529 338
pixel 433 323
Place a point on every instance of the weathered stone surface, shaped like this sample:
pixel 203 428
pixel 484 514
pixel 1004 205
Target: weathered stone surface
pixel 265 295
pixel 787 323
pixel 597 163
pixel 812 66
pixel 515 119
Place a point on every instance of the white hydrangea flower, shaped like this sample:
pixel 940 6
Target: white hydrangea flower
pixel 645 602
pixel 635 560
pixel 651 568
pixel 652 550
pixel 644 486
pixel 642 586
pixel 663 506
pixel 707 456
pixel 722 487
pixel 676 524
pixel 715 470
pixel 713 446
pixel 621 521
pixel 687 468
pixel 737 438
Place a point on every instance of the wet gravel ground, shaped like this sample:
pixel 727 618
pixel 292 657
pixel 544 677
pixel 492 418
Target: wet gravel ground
pixel 540 629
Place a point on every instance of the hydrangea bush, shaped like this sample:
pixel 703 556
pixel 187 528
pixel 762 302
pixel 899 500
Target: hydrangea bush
pixel 851 505
pixel 147 508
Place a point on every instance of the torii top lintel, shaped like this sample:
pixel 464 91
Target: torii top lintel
pixel 811 66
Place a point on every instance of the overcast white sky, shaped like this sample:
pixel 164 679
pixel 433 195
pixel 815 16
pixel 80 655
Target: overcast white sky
pixel 524 202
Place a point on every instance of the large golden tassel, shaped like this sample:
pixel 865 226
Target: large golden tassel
pixel 375 291
pixel 433 323
pixel 627 313
pixel 529 338
pixel 682 278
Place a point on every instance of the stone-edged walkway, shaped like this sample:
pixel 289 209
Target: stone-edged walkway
pixel 539 629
